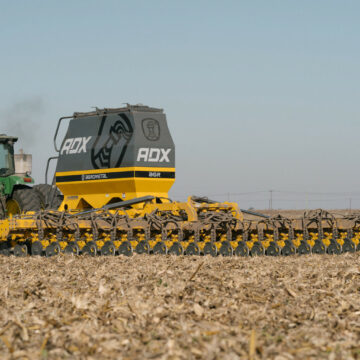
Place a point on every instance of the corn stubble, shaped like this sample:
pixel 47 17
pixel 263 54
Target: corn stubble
pixel 180 307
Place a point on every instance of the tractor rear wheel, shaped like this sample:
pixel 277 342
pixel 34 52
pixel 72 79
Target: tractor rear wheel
pixel 49 196
pixel 2 207
pixel 22 200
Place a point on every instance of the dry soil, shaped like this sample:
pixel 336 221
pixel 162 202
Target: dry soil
pixel 149 307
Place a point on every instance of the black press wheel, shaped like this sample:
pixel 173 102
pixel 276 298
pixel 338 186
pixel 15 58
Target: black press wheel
pixel 210 249
pixel 288 249
pixel 126 249
pixel 242 249
pixel 319 247
pixel 273 249
pixel 226 249
pixel 142 247
pixel 348 246
pixel 334 248
pixel 176 249
pixel 5 252
pixel 257 249
pixel 193 249
pixel 304 248
pixel 37 248
pixel 160 248
pixel 72 248
pixel 5 249
pixel 90 249
pixel 53 249
pixel 108 249
pixel 20 250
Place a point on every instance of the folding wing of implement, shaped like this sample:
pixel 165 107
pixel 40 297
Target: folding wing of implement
pixel 114 170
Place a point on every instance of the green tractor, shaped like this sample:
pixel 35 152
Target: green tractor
pixel 17 194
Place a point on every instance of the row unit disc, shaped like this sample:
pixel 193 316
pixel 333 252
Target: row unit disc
pixel 224 248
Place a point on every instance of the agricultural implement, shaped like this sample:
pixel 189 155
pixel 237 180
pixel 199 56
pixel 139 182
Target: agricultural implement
pixel 109 196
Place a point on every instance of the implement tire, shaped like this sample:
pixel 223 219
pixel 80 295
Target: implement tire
pixel 108 249
pixel 319 247
pixel 226 249
pixel 288 249
pixel 210 249
pixel 242 249
pixel 90 249
pixel 53 249
pixel 20 250
pixel 192 249
pixel 176 249
pixel 72 248
pixel 37 248
pixel 304 248
pixel 334 248
pixel 142 247
pixel 160 248
pixel 257 249
pixel 348 246
pixel 5 248
pixel 22 200
pixel 273 249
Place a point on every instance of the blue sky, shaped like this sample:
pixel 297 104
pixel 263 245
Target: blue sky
pixel 259 95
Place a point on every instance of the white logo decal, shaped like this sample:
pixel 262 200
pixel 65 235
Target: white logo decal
pixel 75 145
pixel 153 155
pixel 95 176
pixel 154 174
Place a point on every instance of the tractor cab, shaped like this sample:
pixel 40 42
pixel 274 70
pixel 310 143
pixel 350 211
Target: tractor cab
pixel 16 192
pixel 7 163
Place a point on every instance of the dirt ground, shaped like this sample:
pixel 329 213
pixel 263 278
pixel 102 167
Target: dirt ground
pixel 338 213
pixel 149 307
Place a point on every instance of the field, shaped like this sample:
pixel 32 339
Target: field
pixel 149 307
pixel 296 214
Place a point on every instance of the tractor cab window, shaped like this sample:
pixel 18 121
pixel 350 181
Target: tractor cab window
pixel 6 160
